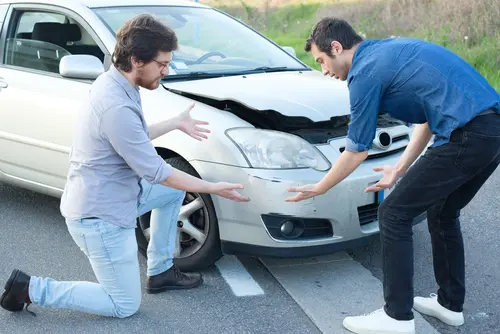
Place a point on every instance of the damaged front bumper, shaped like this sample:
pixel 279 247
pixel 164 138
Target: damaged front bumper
pixel 343 218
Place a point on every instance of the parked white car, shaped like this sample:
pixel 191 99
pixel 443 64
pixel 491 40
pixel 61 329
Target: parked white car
pixel 275 123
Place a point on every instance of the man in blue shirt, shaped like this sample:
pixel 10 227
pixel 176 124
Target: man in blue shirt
pixel 425 84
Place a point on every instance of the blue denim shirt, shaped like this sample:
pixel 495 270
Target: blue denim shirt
pixel 110 155
pixel 416 82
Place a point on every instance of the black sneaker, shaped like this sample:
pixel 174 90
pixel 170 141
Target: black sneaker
pixel 172 279
pixel 16 293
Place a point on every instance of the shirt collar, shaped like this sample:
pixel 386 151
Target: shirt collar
pixel 358 53
pixel 132 92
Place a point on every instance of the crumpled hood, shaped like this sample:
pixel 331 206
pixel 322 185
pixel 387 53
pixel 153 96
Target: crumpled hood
pixel 308 94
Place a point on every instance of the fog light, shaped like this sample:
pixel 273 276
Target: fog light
pixel 287 228
pixel 292 228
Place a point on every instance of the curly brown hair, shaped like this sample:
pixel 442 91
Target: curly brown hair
pixel 142 37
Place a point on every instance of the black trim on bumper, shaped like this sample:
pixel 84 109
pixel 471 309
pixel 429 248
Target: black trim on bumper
pixel 236 248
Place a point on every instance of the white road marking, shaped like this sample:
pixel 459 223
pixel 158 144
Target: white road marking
pixel 237 277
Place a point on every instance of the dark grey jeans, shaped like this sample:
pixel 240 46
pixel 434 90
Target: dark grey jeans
pixel 442 182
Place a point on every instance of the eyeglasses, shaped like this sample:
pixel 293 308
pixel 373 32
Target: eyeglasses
pixel 163 65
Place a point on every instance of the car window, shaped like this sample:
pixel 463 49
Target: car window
pixel 209 41
pixel 3 12
pixel 41 39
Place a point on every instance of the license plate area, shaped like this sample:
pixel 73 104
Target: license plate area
pixel 379 196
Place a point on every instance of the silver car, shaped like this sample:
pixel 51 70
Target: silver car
pixel 275 123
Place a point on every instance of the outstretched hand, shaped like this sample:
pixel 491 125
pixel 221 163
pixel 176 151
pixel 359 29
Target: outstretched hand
pixel 390 177
pixel 227 190
pixel 304 192
pixel 191 126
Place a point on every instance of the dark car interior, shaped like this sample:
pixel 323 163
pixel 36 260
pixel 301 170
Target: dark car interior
pixel 43 47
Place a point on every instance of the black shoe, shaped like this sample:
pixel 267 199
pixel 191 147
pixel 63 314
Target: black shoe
pixel 16 293
pixel 172 279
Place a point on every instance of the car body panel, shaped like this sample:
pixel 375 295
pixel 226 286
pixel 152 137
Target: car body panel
pixel 267 191
pixel 290 93
pixel 44 136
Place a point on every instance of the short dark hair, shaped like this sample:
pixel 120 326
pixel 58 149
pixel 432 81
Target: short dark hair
pixel 331 29
pixel 142 37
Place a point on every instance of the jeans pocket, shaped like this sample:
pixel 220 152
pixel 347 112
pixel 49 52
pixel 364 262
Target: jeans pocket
pixel 78 235
pixel 477 151
pixel 87 234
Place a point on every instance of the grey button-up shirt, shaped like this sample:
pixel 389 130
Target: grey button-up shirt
pixel 110 155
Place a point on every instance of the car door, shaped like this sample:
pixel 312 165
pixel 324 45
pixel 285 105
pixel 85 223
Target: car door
pixel 38 105
pixel 3 12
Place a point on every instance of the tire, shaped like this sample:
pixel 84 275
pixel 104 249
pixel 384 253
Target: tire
pixel 210 251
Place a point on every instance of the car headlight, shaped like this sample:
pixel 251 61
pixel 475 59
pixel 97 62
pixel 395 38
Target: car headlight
pixel 276 150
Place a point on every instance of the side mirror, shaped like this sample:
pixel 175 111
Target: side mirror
pixel 81 67
pixel 290 50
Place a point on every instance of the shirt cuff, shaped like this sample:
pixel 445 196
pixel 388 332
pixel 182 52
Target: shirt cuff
pixel 162 174
pixel 351 146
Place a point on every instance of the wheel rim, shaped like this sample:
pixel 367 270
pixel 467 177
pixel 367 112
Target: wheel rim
pixel 193 230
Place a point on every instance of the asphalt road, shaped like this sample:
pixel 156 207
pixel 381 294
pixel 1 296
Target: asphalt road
pixel 303 296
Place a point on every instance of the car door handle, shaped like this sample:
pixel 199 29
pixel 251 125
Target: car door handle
pixel 3 84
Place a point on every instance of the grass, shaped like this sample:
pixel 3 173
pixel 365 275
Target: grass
pixel 470 29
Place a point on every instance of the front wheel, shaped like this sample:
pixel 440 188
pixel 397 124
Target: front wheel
pixel 198 232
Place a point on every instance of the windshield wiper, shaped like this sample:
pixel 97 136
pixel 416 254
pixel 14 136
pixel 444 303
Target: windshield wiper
pixel 193 75
pixel 268 69
pixel 208 75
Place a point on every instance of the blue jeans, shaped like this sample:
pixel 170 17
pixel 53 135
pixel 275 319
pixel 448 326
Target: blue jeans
pixel 112 252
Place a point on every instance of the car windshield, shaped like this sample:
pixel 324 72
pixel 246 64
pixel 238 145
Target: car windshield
pixel 210 42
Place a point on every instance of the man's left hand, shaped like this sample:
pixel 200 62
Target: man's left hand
pixel 191 126
pixel 305 192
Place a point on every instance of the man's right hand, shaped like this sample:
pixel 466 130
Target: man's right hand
pixel 227 190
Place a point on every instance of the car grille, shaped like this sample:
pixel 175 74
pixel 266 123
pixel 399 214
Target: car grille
pixel 368 213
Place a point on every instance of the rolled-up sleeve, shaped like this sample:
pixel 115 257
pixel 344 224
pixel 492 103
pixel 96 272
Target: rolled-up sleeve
pixel 123 128
pixel 365 94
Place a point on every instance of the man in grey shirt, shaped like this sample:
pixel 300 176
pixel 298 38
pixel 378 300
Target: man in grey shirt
pixel 116 175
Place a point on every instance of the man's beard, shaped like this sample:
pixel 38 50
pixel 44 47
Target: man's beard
pixel 150 84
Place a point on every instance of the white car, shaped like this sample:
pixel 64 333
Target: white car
pixel 275 123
